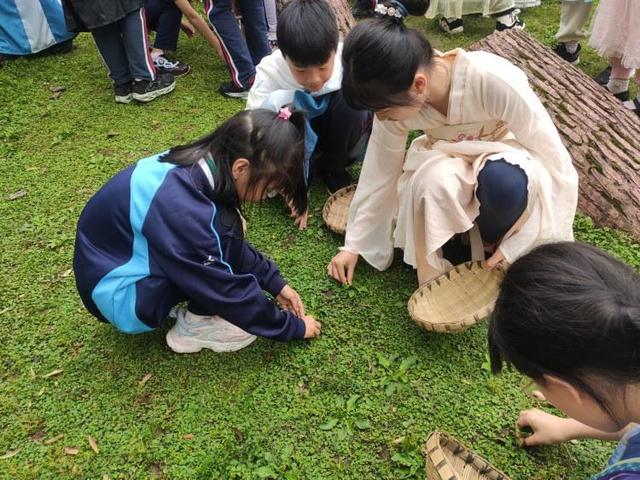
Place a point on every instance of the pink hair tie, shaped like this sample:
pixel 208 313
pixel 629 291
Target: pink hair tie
pixel 284 113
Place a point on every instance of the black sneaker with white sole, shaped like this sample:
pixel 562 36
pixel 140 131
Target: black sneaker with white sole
pixel 603 77
pixel 231 90
pixel 148 90
pixel 572 58
pixel 124 92
pixel 175 68
pixel 514 23
pixel 452 26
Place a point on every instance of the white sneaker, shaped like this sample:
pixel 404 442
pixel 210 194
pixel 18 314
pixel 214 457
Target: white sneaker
pixel 192 333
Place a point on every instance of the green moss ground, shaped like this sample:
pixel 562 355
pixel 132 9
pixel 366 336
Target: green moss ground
pixel 357 403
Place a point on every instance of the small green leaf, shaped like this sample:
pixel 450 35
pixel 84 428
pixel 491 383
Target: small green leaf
pixel 265 472
pixel 332 422
pixel 402 459
pixel 390 389
pixel 363 423
pixel 351 403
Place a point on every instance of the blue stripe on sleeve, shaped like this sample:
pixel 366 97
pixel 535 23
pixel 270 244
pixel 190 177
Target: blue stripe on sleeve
pixel 115 293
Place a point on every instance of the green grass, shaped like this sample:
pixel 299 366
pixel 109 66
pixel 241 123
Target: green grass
pixel 357 403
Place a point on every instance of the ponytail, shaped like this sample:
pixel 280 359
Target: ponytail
pixel 381 57
pixel 272 142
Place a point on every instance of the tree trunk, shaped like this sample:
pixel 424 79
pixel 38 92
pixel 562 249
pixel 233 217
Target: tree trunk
pixel 342 9
pixel 602 136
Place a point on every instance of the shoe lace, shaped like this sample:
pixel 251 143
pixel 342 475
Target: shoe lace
pixel 163 62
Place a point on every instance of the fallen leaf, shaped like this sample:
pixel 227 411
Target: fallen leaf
pixel 188 436
pixel 41 391
pixel 145 379
pixel 71 450
pixel 66 273
pixel 53 440
pixel 398 440
pixel 57 88
pixel 37 435
pixel 266 356
pixel 32 373
pixel 112 133
pixel 16 195
pixel 106 477
pixel 238 434
pixel 55 95
pixel 93 444
pixel 10 454
pixel 57 371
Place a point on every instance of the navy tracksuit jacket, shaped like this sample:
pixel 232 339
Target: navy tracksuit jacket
pixel 151 237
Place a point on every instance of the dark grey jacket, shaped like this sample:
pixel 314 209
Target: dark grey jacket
pixel 85 15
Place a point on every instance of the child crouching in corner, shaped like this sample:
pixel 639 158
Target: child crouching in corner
pixel 168 230
pixel 307 72
pixel 568 317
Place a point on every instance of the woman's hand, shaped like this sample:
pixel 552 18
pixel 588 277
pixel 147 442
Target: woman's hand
pixel 312 327
pixel 547 429
pixel 289 299
pixel 497 259
pixel 342 267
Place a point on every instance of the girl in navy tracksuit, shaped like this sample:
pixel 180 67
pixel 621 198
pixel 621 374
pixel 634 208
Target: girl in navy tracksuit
pixel 167 230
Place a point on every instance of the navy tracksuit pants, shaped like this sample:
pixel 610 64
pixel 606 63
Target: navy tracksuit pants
pixel 123 47
pixel 240 56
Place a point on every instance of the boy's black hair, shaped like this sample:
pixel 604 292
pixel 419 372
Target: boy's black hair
pixel 273 146
pixel 571 311
pixel 307 32
pixel 380 59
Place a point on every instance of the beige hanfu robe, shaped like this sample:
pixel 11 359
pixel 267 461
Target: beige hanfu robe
pixel 417 201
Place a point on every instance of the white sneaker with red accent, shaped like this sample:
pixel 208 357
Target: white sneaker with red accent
pixel 192 333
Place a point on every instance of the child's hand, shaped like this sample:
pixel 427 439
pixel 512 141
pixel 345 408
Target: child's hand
pixel 547 429
pixel 187 28
pixel 289 299
pixel 312 327
pixel 301 220
pixel 342 267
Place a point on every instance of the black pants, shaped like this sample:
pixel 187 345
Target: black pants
pixel 164 18
pixel 340 129
pixel 503 196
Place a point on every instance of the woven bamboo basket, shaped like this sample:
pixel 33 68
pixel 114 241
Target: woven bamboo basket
pixel 455 301
pixel 448 459
pixel 336 209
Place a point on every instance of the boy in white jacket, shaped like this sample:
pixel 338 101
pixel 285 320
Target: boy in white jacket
pixel 307 73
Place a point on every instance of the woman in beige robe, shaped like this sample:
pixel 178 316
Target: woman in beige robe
pixel 473 107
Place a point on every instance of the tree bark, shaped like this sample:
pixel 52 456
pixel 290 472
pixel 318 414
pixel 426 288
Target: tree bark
pixel 342 9
pixel 602 136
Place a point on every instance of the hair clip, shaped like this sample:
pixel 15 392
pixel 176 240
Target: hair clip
pixel 284 113
pixel 397 10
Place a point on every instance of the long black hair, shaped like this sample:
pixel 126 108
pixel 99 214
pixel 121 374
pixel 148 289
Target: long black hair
pixel 381 57
pixel 273 146
pixel 571 311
